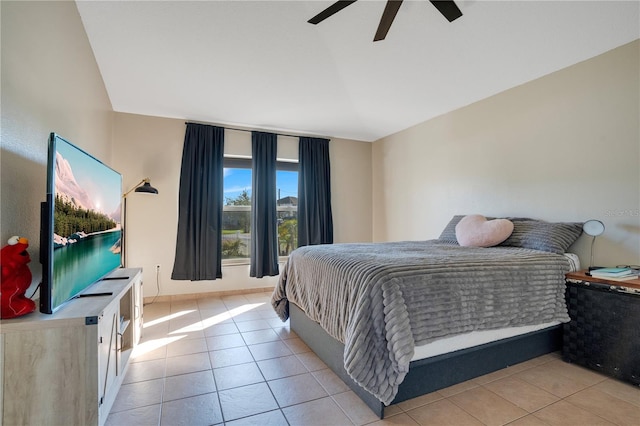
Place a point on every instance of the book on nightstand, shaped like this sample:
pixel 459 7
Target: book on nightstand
pixel 612 273
pixel 615 274
pixel 625 278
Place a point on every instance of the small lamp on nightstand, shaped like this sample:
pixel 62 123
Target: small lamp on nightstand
pixel 594 228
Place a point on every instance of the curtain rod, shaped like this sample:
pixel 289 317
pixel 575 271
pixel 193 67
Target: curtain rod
pixel 264 131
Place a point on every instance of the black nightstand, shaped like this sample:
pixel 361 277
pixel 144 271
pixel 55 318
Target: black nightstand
pixel 604 331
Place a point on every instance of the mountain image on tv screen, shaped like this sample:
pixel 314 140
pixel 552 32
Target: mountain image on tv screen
pixel 86 221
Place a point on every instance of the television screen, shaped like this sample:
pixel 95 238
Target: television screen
pixel 81 231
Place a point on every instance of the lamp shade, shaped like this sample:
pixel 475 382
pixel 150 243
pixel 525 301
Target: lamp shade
pixel 147 188
pixel 593 227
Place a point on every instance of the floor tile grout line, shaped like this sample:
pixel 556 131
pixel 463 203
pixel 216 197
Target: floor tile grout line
pixel 564 399
pixel 164 377
pixel 342 409
pixel 164 384
pixel 262 374
pixel 218 397
pixel 462 408
pixel 568 402
pixel 265 412
pixel 587 410
pixel 531 384
pixel 280 407
pixel 215 381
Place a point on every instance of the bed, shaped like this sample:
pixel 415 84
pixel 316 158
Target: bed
pixel 375 312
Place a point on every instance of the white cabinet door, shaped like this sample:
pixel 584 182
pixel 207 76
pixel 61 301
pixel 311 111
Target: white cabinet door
pixel 108 353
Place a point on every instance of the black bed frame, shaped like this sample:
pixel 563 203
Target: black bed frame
pixel 430 374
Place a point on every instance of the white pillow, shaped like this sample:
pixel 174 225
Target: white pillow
pixel 476 231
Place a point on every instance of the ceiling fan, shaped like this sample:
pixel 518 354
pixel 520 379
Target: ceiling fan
pixel 448 9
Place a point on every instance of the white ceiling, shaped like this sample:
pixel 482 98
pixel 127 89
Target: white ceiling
pixel 259 64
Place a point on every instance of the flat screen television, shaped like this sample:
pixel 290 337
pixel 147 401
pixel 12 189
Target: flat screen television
pixel 81 231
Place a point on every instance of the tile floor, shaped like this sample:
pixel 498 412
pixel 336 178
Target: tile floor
pixel 231 361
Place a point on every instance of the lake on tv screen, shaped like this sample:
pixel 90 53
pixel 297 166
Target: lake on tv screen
pixel 77 265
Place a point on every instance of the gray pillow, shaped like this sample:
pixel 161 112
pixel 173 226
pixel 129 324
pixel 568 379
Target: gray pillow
pixel 449 232
pixel 554 237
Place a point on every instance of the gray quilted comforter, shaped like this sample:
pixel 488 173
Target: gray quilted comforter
pixel 382 299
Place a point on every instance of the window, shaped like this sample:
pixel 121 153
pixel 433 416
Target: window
pixel 287 207
pixel 236 211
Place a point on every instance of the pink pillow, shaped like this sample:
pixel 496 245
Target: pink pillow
pixel 476 231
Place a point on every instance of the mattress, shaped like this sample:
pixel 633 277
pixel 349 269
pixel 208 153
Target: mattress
pixel 474 338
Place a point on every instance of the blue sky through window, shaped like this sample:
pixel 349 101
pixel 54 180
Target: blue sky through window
pixel 237 180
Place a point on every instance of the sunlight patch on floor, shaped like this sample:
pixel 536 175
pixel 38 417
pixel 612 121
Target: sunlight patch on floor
pixel 166 318
pixel 151 345
pixel 216 319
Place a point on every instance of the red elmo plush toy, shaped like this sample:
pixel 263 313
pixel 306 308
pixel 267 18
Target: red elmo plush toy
pixel 16 278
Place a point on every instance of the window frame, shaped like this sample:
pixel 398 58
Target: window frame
pixel 246 163
pixel 288 166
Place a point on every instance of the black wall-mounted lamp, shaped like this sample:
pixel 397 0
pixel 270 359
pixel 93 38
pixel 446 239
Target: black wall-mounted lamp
pixel 145 187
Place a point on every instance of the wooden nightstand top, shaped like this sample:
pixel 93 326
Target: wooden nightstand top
pixel 582 276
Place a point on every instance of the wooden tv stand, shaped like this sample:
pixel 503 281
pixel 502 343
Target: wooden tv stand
pixel 66 368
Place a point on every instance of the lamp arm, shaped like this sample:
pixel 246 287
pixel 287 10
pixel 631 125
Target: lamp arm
pixel 145 180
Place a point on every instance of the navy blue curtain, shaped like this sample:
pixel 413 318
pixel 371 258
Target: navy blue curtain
pixel 264 220
pixel 315 221
pixel 199 238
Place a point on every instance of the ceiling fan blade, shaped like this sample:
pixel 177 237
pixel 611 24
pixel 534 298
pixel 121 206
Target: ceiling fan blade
pixel 389 14
pixel 334 8
pixel 448 8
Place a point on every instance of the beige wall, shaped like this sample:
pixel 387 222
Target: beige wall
pixel 565 147
pixel 50 83
pixel 152 147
